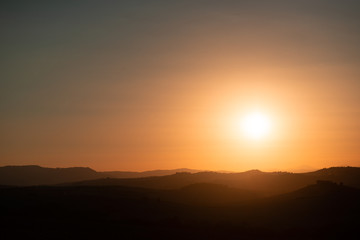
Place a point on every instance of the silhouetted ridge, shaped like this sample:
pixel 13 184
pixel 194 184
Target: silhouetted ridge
pixel 321 189
pixel 264 183
pixel 337 171
pixel 254 171
pixel 36 175
pixel 347 175
pixel 122 174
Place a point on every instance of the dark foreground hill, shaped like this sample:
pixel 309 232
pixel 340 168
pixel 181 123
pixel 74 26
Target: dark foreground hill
pixel 321 211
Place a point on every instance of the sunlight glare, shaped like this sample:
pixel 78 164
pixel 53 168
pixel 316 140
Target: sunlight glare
pixel 256 125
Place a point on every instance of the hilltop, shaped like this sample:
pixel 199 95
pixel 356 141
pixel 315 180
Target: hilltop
pixel 263 183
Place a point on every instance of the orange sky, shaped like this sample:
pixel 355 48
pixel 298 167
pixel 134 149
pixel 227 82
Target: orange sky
pixel 161 85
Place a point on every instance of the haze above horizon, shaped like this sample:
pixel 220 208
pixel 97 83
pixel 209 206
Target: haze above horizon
pixel 140 85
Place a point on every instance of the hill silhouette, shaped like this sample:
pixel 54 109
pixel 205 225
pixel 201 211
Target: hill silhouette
pixel 255 181
pixel 263 183
pixel 36 175
pixel 123 174
pixel 314 207
pixel 318 211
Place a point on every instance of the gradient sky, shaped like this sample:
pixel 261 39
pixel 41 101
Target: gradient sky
pixel 139 85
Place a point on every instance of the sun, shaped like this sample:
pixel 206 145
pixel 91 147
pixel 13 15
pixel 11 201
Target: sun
pixel 256 125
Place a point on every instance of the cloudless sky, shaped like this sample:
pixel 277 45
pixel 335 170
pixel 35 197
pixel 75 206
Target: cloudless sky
pixel 138 85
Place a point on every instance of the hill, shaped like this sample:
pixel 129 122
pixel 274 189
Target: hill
pixel 320 211
pixel 35 175
pixel 314 207
pixel 123 174
pixel 265 184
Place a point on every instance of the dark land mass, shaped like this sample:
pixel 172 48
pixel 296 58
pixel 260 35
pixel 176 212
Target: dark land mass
pixel 123 174
pixel 208 205
pixel 35 175
pixel 200 211
pixel 263 183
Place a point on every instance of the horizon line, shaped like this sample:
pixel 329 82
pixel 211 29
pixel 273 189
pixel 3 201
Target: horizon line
pixel 192 169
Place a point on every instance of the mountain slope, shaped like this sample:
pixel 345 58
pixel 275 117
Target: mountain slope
pixel 266 184
pixel 35 175
pixel 318 211
pixel 318 206
pixel 122 174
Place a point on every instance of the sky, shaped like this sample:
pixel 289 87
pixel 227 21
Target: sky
pixel 139 85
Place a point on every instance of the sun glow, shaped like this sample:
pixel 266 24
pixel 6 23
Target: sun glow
pixel 256 125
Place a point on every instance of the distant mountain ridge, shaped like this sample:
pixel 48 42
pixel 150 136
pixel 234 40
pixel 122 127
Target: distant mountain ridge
pixel 125 174
pixel 36 175
pixel 263 183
